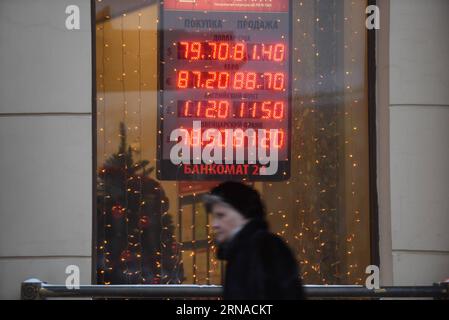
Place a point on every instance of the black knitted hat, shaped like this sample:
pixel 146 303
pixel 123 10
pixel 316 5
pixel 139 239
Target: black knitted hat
pixel 241 197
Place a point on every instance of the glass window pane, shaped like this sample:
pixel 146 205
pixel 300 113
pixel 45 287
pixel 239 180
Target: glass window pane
pixel 155 231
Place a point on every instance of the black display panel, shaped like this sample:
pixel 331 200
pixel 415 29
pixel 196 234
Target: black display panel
pixel 224 100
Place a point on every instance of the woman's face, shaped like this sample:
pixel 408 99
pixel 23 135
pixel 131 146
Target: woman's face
pixel 225 220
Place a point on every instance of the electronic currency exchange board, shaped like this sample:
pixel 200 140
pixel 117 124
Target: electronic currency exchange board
pixel 224 102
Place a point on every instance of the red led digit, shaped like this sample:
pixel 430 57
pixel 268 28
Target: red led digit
pixel 187 109
pixel 186 50
pixel 239 52
pixel 196 137
pixel 211 109
pixel 254 109
pixel 251 80
pixel 223 109
pixel 198 109
pixel 267 51
pixel 278 141
pixel 214 49
pixel 223 80
pixel 264 140
pixel 279 52
pixel 183 79
pixel 211 81
pixel 255 52
pixel 238 138
pixel 239 80
pixel 268 78
pixel 253 141
pixel 278 81
pixel 277 138
pixel 223 138
pixel 266 110
pixel 195 48
pixel 223 51
pixel 209 138
pixel 278 110
pixel 198 78
pixel 242 108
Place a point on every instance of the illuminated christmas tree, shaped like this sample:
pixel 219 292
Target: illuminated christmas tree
pixel 135 232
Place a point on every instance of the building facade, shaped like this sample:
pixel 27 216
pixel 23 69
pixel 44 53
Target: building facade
pixel 57 117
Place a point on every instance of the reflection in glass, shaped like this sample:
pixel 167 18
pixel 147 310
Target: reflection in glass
pixel 322 211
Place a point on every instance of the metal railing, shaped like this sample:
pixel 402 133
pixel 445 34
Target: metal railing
pixel 35 289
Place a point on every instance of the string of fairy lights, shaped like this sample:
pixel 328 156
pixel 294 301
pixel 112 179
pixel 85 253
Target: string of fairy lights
pixel 134 249
pixel 309 240
pixel 354 126
pixel 139 141
pixel 102 247
pixel 307 225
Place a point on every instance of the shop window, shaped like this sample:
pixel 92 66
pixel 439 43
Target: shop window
pixel 154 230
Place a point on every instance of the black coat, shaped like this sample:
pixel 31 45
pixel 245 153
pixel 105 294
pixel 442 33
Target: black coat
pixel 259 266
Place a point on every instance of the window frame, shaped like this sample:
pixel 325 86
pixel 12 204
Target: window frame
pixel 372 138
